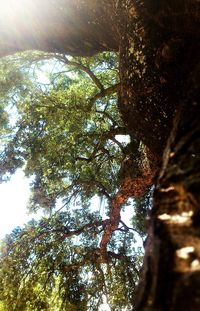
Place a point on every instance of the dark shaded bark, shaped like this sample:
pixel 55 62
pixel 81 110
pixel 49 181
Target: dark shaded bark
pixel 180 16
pixel 154 65
pixel 170 278
pixel 171 275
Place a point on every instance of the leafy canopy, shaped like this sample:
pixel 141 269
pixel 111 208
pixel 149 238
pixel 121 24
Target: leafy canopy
pixel 65 138
pixel 64 131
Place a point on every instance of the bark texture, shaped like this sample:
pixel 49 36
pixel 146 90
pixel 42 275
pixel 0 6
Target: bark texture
pixel 154 65
pixel 171 275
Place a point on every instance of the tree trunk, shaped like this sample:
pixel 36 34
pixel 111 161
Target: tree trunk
pixel 159 44
pixel 64 26
pixel 170 278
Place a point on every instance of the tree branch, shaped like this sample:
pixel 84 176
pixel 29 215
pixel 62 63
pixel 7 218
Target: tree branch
pixel 105 92
pixel 85 69
pixel 131 186
pixel 94 257
pixel 126 229
pixel 106 114
pixel 66 233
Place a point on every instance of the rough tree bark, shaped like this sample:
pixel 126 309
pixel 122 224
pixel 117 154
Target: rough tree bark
pixel 171 273
pixel 170 278
pixel 159 43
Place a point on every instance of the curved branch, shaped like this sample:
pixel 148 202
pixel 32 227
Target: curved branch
pixel 133 185
pixel 106 114
pixel 66 233
pixel 126 229
pixel 85 69
pixel 115 217
pixel 94 257
pixel 103 190
pixel 117 143
pixel 105 92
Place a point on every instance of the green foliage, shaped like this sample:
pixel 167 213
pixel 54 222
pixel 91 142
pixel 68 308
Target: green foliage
pixel 44 264
pixel 63 138
pixel 63 131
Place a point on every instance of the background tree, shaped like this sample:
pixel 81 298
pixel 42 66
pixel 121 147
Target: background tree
pixel 66 134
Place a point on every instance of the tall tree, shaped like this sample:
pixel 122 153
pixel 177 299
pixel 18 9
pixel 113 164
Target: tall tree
pixel 159 70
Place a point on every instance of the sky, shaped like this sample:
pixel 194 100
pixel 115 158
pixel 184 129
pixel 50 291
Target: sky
pixel 14 194
pixel 13 200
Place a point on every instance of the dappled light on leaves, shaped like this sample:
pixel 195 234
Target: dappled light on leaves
pixel 68 135
pixel 45 263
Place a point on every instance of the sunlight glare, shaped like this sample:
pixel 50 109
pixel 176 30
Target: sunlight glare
pixel 11 9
